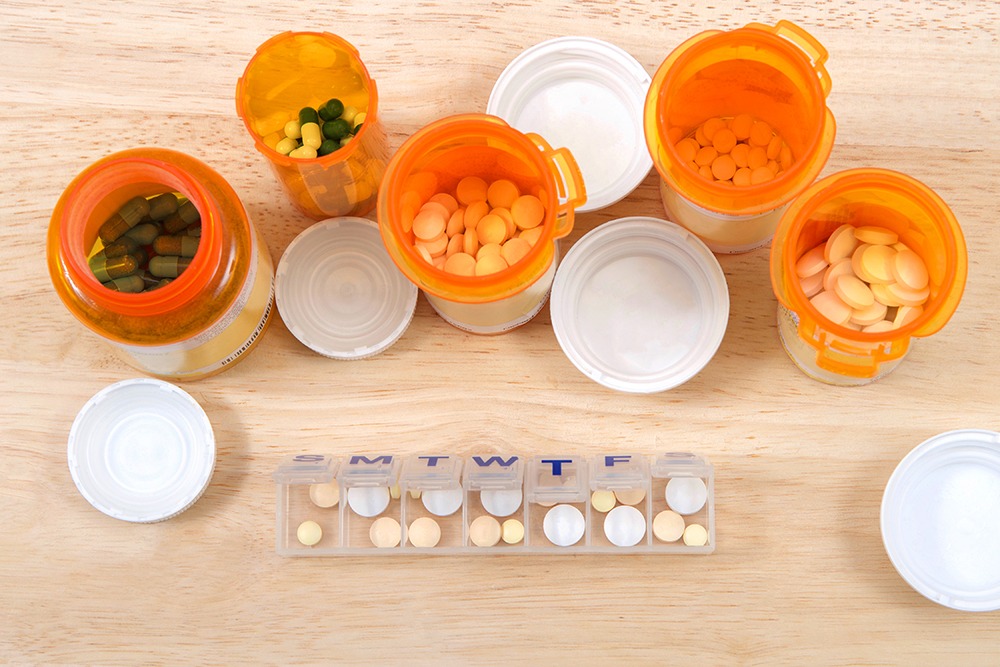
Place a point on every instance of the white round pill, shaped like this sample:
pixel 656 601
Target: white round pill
pixel 625 526
pixel 686 495
pixel 442 502
pixel 368 501
pixel 503 502
pixel 564 525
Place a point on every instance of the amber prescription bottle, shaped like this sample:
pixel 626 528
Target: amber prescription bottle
pixel 206 319
pixel 485 146
pixel 298 69
pixel 775 74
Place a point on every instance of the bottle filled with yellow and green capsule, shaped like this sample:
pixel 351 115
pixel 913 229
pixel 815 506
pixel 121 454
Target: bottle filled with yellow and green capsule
pixel 153 250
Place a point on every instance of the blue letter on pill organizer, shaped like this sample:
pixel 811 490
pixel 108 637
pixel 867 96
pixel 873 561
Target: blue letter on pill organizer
pixel 432 461
pixel 610 461
pixel 557 465
pixel 494 459
pixel 384 460
pixel 309 458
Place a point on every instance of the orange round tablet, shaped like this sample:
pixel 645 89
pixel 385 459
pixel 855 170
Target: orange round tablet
pixel 756 157
pixel 492 229
pixel 456 223
pixel 841 243
pixel 910 270
pixel 853 292
pixel 742 176
pixel 741 126
pixel 724 140
pixel 514 250
pixel 687 148
pixel 740 155
pixel 502 193
pixel 488 249
pixel 446 200
pixel 470 242
pixel 528 211
pixel 461 264
pixel 471 189
pixel 761 175
pixel 490 264
pixel 475 212
pixel 531 235
pixel 712 126
pixel 810 263
pixel 723 167
pixel 760 134
pixel 456 244
pixel 831 307
pixel 429 224
pixel 705 156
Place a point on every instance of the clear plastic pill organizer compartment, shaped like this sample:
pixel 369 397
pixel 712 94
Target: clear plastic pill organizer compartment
pixel 494 503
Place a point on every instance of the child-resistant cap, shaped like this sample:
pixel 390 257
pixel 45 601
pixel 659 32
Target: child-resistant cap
pixel 141 450
pixel 339 293
pixel 640 305
pixel 587 95
pixel 941 519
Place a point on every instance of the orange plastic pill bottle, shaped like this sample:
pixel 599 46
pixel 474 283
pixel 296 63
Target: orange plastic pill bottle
pixel 298 69
pixel 482 145
pixel 207 318
pixel 864 197
pixel 775 74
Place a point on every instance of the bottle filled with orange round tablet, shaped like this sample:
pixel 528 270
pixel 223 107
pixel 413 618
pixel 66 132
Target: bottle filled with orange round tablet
pixel 308 69
pixel 208 317
pixel 737 126
pixel 494 202
pixel 894 263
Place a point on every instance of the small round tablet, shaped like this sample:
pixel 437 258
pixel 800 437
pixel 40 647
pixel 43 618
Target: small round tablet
pixel 625 526
pixel 686 495
pixel 695 535
pixel 603 500
pixel 501 502
pixel 309 533
pixel 368 501
pixel 442 502
pixel 424 532
pixel 668 526
pixel 630 496
pixel 485 531
pixel 513 531
pixel 564 525
pixel 324 495
pixel 385 532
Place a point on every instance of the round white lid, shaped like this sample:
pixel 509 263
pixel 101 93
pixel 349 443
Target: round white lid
pixel 339 293
pixel 941 519
pixel 141 450
pixel 586 95
pixel 639 305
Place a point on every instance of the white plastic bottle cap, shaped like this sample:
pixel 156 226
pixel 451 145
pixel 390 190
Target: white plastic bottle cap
pixel 640 305
pixel 141 450
pixel 339 293
pixel 501 502
pixel 941 519
pixel 585 95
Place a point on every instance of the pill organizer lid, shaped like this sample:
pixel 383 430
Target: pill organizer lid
pixel 589 96
pixel 941 519
pixel 141 450
pixel 339 293
pixel 639 305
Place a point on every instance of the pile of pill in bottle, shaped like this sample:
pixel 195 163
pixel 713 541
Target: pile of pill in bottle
pixel 317 132
pixel 865 279
pixel 684 496
pixel 479 229
pixel 147 243
pixel 736 151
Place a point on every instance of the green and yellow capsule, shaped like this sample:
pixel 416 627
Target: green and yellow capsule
pixel 127 217
pixel 162 206
pixel 166 266
pixel 109 268
pixel 131 284
pixel 183 246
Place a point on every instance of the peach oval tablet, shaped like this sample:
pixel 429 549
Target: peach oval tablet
pixel 436 207
pixel 461 264
pixel 424 532
pixel 810 263
pixel 424 254
pixel 429 225
pixel 513 531
pixel 841 244
pixel 471 189
pixel 883 295
pixel 834 271
pixel 831 307
pixel 456 223
pixel 741 126
pixel 488 249
pixel 385 532
pixel 491 229
pixel 490 264
pixel 502 193
pixel 475 212
pixel 868 316
pixel 723 167
pixel 724 140
pixel 531 235
pixel 773 149
pixel 455 244
pixel 630 496
pixel 905 315
pixel 812 285
pixel 436 246
pixel 470 242
pixel 668 526
pixel 876 235
pixel 876 262
pixel 905 296
pixel 687 149
pixel 853 292
pixel 528 211
pixel 446 200
pixel 485 531
pixel 514 250
pixel 879 327
pixel 909 270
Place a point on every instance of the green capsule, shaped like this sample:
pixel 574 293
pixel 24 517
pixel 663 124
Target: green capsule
pixel 182 246
pixel 123 246
pixel 357 128
pixel 187 214
pixel 163 205
pixel 332 109
pixel 131 284
pixel 109 268
pixel 336 129
pixel 166 266
pixel 143 234
pixel 308 115
pixel 328 146
pixel 193 230
pixel 127 217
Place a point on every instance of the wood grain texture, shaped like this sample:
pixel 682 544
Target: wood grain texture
pixel 800 575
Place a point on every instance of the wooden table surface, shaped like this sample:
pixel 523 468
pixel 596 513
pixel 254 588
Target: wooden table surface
pixel 800 575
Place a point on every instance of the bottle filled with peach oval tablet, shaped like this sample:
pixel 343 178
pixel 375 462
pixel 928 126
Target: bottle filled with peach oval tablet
pixel 518 196
pixel 737 126
pixel 297 70
pixel 894 263
pixel 198 323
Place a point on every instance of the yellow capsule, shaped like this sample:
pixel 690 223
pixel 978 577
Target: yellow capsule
pixel 312 136
pixel 304 153
pixel 286 145
pixel 131 284
pixel 293 130
pixel 162 206
pixel 109 268
pixel 183 246
pixel 164 266
pixel 127 217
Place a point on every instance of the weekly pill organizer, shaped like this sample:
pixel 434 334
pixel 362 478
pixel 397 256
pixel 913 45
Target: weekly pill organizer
pixel 369 504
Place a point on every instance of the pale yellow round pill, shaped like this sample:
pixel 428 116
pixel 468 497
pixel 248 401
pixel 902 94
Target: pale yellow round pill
pixel 877 264
pixel 909 270
pixel 630 496
pixel 385 532
pixel 603 500
pixel 695 535
pixel 394 492
pixel 309 533
pixel 424 532
pixel 324 495
pixel 513 531
pixel 668 526
pixel 485 531
pixel 876 235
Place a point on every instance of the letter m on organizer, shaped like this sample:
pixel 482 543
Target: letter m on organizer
pixel 384 460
